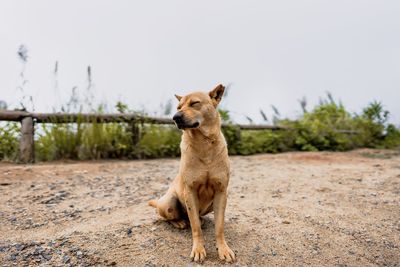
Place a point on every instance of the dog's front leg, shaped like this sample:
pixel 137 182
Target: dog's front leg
pixel 198 253
pixel 224 252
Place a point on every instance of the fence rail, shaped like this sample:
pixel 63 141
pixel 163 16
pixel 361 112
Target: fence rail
pixel 28 120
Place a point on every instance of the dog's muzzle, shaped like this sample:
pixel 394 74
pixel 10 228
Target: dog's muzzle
pixel 181 122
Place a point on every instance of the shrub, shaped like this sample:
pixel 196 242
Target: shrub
pixel 105 140
pixel 159 141
pixel 9 141
pixel 57 141
pixel 392 137
pixel 259 142
pixel 232 135
pixel 371 125
pixel 321 128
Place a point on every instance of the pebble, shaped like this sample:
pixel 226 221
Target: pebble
pixel 38 251
pixel 20 247
pixel 129 232
pixel 47 256
pixel 13 257
pixel 66 259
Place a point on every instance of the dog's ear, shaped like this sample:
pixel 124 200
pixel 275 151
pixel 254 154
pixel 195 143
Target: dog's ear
pixel 216 94
pixel 178 97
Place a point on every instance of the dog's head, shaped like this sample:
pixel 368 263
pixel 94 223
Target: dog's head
pixel 199 108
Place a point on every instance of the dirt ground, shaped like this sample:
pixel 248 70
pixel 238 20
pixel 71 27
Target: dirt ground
pixel 291 209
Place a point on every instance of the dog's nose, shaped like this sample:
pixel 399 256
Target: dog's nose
pixel 178 117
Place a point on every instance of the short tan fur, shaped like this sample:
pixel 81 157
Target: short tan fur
pixel 202 181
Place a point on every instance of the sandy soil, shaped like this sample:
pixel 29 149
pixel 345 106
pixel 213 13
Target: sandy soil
pixel 292 209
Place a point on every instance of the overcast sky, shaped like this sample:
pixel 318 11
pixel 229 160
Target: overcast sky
pixel 142 52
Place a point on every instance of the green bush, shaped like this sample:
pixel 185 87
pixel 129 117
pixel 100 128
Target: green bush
pixel 392 137
pixel 57 141
pixel 105 140
pixel 330 127
pixel 159 141
pixel 84 141
pixel 372 126
pixel 321 129
pixel 9 141
pixel 259 142
pixel 233 138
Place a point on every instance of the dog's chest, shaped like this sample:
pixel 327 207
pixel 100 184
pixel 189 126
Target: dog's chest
pixel 205 191
pixel 205 194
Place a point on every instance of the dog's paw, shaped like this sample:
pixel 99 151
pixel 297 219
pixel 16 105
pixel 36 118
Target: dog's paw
pixel 198 253
pixel 180 224
pixel 225 253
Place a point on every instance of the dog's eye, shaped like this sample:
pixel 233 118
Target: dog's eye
pixel 194 103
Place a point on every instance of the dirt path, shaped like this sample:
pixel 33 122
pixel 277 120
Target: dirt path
pixel 292 209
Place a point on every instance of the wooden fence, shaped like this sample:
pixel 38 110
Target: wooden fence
pixel 28 120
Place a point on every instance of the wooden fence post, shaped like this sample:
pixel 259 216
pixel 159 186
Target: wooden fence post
pixel 27 145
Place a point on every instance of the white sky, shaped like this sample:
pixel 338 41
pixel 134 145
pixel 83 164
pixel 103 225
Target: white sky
pixel 142 52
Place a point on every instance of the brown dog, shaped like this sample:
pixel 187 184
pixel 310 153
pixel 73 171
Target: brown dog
pixel 202 182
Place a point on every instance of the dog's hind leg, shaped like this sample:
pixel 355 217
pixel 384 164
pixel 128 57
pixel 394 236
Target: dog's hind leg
pixel 170 209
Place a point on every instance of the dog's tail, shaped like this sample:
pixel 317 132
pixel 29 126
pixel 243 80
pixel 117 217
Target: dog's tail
pixel 153 203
